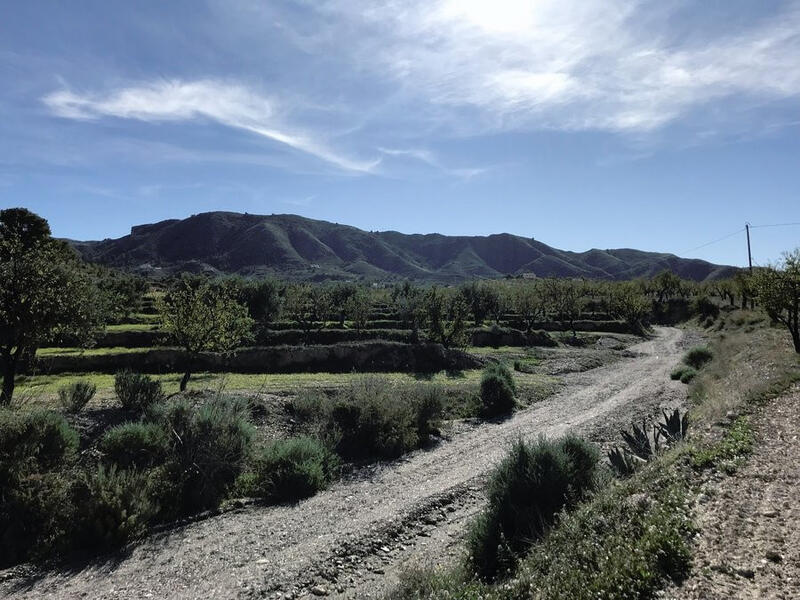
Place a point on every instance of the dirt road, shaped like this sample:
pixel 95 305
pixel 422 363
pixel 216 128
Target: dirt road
pixel 352 539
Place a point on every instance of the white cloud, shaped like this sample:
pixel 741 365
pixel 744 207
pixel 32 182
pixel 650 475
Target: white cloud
pixel 610 65
pixel 229 104
pixel 430 159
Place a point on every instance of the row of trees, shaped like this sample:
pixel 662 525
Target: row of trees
pixel 48 294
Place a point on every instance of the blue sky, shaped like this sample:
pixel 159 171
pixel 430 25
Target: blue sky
pixel 659 125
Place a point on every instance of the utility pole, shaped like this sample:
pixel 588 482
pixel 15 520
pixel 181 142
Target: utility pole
pixel 749 255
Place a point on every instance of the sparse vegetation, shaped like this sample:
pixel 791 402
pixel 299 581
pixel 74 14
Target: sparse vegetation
pixel 75 396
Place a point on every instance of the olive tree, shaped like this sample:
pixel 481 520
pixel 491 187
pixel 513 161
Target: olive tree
pixel 778 290
pixel 200 317
pixel 44 295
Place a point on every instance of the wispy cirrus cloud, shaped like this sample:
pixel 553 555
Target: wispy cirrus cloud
pixel 431 159
pixel 232 105
pixel 609 65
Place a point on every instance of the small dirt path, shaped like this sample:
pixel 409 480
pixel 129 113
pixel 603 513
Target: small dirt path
pixel 353 539
pixel 749 543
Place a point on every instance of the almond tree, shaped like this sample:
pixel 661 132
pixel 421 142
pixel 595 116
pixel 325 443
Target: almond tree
pixel 778 290
pixel 45 294
pixel 200 317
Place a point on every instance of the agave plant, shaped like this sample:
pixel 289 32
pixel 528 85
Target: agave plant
pixel 623 462
pixel 674 426
pixel 641 443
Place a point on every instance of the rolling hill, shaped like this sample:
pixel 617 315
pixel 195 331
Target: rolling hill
pixel 295 247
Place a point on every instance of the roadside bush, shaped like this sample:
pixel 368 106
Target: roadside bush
pixel 502 371
pixel 497 390
pixel 612 547
pixel 698 356
pixel 75 396
pixel 369 421
pixel 683 373
pixel 137 392
pixel 135 445
pixel 207 445
pixel 33 442
pixel 373 418
pixel 288 470
pixel 36 516
pixel 114 507
pixel 429 407
pixel 526 490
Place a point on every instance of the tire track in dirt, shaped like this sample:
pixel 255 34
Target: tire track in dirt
pixel 358 534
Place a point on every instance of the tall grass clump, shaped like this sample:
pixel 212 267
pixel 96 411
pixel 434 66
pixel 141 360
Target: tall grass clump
pixel 137 392
pixel 526 490
pixel 75 396
pixel 289 470
pixel 498 390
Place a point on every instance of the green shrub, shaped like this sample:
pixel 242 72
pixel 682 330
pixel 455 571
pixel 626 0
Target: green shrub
pixel 688 374
pixel 137 392
pixel 526 490
pixel 36 516
pixel 372 423
pixel 501 370
pixel 617 546
pixel 373 418
pixel 75 396
pixel 33 442
pixel 114 507
pixel 289 470
pixel 497 395
pixel 698 356
pixel 136 445
pixel 207 444
pixel 428 408
pixel 683 373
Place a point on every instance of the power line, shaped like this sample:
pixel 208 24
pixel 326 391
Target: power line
pixel 725 237
pixel 774 225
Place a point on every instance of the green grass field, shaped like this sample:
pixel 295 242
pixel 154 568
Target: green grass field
pixel 88 351
pixel 132 327
pixel 42 389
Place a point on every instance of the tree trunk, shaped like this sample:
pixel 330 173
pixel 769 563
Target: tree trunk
pixel 7 369
pixel 796 339
pixel 185 380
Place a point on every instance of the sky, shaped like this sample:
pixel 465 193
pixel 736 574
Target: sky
pixel 659 125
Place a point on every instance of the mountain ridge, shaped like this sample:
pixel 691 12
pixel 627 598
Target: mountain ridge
pixel 296 247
